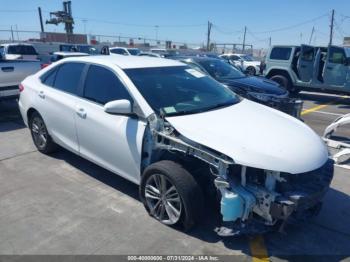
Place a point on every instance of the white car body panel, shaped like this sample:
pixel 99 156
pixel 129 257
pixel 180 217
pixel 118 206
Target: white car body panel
pixel 112 141
pixel 257 136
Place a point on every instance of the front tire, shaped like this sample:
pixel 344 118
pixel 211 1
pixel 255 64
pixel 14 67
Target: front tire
pixel 171 195
pixel 41 138
pixel 251 71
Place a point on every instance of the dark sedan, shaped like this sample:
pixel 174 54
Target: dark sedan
pixel 258 89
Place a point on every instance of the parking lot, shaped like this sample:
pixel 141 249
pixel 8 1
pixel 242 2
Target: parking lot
pixel 63 204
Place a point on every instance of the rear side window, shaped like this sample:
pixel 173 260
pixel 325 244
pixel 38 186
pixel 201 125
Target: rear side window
pixel 68 77
pixel 281 53
pixel 103 86
pixel 308 54
pixel 49 77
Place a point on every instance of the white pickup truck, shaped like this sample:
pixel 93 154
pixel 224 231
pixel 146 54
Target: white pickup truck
pixel 12 73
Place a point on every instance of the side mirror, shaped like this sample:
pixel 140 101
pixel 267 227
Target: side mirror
pixel 347 61
pixel 118 107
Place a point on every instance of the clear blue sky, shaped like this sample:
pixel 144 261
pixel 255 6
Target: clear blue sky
pixel 185 20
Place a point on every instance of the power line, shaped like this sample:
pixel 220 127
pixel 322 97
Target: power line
pixel 220 30
pixel 292 26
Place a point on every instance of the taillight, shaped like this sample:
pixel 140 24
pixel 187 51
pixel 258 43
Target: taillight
pixel 43 65
pixel 21 87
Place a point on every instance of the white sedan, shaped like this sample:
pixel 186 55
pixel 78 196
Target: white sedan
pixel 182 137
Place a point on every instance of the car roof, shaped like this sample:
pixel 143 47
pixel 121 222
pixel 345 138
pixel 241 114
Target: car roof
pixel 196 58
pixel 70 53
pixel 14 44
pixel 127 62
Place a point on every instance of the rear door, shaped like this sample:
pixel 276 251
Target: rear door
pixel 56 102
pixel 306 62
pixel 112 141
pixel 335 70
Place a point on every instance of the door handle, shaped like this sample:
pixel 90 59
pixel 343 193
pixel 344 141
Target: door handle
pixel 329 67
pixel 81 112
pixel 41 94
pixel 303 66
pixel 7 69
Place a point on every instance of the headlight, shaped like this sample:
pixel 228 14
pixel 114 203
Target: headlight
pixel 260 96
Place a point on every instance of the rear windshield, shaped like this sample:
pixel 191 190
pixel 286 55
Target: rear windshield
pixel 21 50
pixel 281 53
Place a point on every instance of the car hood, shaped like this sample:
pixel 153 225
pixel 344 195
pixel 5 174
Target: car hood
pixel 256 136
pixel 257 85
pixel 252 63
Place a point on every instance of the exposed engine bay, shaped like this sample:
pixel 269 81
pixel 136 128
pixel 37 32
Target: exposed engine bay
pixel 251 200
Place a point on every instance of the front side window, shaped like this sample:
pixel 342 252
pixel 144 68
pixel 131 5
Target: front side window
pixel 247 58
pixel 134 51
pixel 118 51
pixel 336 55
pixel 234 58
pixel 68 77
pixel 180 90
pixel 281 53
pixel 102 86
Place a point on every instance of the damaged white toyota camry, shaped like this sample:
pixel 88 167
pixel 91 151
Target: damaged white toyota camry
pixel 182 137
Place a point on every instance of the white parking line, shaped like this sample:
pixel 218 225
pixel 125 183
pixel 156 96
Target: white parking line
pixel 343 166
pixel 328 113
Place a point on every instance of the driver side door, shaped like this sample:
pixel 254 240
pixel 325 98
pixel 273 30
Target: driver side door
pixel 335 70
pixel 112 141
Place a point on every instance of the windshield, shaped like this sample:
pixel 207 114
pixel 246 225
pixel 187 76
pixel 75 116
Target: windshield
pixel 247 58
pixel 220 69
pixel 180 90
pixel 134 51
pixel 347 51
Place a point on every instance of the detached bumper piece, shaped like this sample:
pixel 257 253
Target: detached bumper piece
pixel 339 146
pixel 264 204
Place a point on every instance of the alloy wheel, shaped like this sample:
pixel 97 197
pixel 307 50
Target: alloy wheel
pixel 163 199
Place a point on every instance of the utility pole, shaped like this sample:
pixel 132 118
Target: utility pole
pixel 270 41
pixel 245 32
pixel 331 26
pixel 12 39
pixel 41 20
pixel 208 35
pixel 312 34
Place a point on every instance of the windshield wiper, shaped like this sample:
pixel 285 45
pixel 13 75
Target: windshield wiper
pixel 200 110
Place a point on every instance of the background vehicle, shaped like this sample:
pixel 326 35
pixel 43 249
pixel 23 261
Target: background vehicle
pixel 56 56
pixel 254 88
pixel 124 51
pixel 18 51
pixel 149 54
pixel 310 68
pixel 12 72
pixel 181 136
pixel 248 64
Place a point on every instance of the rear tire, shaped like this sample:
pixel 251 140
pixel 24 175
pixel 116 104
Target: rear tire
pixel 285 83
pixel 184 187
pixel 41 138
